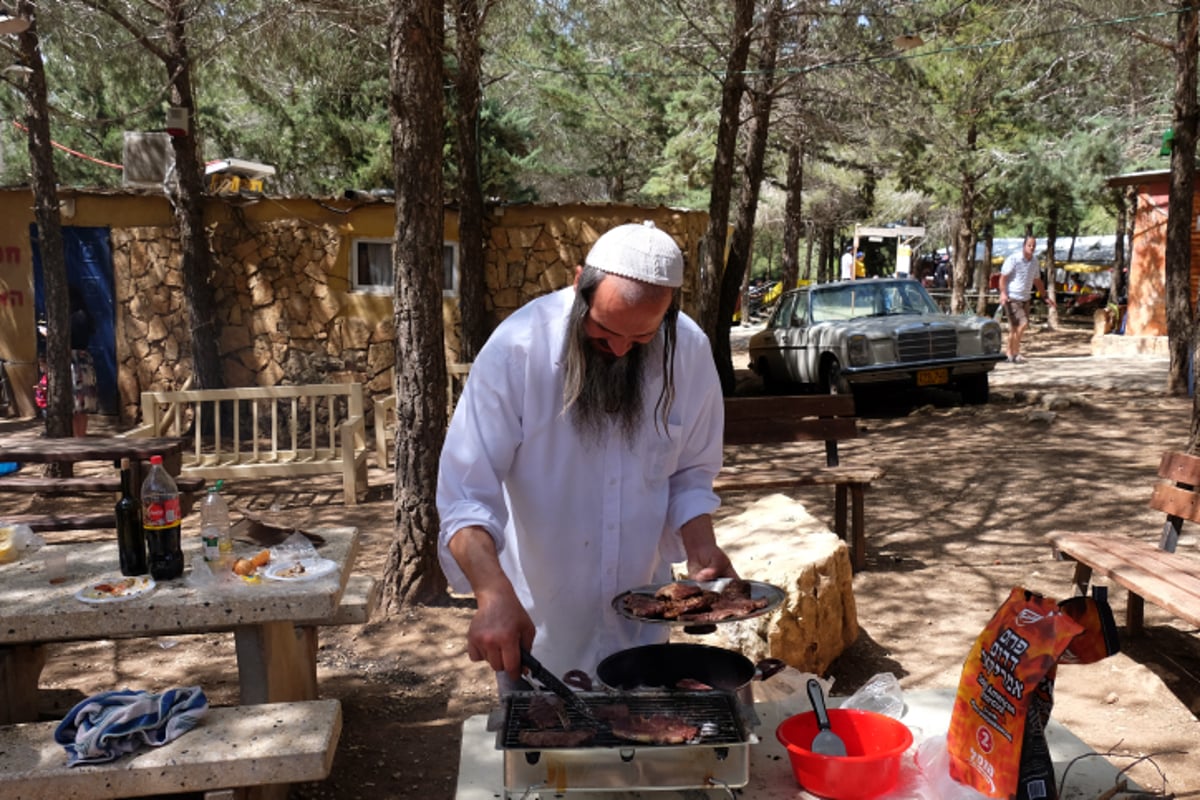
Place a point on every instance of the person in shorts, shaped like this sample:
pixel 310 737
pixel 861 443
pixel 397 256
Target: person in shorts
pixel 1018 276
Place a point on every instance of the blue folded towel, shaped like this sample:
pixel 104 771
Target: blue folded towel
pixel 110 724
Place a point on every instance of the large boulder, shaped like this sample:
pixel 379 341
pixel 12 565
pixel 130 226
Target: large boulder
pixel 776 541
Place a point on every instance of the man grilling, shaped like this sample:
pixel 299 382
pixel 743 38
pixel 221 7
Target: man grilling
pixel 580 459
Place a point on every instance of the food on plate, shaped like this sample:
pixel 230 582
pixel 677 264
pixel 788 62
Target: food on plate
pixel 247 567
pixel 688 602
pixel 115 589
pixel 678 591
pixel 294 571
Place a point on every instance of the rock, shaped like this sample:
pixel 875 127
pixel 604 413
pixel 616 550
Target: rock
pixel 1040 417
pixel 775 540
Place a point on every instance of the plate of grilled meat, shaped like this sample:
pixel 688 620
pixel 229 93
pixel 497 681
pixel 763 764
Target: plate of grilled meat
pixel 686 602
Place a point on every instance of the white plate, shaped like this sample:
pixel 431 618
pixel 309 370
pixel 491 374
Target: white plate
pixel 306 569
pixel 116 590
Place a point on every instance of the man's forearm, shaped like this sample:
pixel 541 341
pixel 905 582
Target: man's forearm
pixel 475 551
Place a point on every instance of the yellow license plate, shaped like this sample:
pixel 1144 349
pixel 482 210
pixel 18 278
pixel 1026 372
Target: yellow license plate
pixel 933 377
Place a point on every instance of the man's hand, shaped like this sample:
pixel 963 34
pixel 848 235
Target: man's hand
pixel 501 624
pixel 706 560
pixel 498 629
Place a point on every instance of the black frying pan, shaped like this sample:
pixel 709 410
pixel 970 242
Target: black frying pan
pixel 665 665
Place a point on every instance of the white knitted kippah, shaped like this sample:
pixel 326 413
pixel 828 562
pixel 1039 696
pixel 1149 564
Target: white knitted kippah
pixel 642 252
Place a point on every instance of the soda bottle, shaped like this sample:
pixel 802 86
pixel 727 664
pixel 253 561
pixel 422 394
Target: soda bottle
pixel 161 521
pixel 131 540
pixel 215 528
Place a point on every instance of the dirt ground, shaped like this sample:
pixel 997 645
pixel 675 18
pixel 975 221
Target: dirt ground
pixel 960 518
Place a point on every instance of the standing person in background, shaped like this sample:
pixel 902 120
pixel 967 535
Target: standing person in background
pixel 1019 274
pixel 83 369
pixel 848 264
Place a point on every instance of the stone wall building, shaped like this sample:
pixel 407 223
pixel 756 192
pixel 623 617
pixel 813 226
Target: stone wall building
pixel 303 285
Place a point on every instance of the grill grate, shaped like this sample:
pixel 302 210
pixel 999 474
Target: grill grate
pixel 927 344
pixel 717 713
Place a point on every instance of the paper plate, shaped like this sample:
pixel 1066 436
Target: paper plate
pixel 116 589
pixel 306 569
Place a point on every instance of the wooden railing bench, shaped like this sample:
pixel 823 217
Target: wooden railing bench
pixel 778 419
pixel 270 431
pixel 1149 571
pixel 385 412
pixel 250 749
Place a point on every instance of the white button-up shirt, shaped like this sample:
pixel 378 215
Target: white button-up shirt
pixel 577 521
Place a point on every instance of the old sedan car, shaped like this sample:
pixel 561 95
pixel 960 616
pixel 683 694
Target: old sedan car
pixel 850 335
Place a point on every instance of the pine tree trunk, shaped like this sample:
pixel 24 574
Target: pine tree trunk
pixel 411 574
pixel 471 286
pixel 1179 210
pixel 1051 266
pixel 793 217
pixel 741 247
pixel 60 401
pixel 723 162
pixel 187 202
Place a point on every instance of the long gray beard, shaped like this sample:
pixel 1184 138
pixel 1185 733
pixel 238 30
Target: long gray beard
pixel 609 389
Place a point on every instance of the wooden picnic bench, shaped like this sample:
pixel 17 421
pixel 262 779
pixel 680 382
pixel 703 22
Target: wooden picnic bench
pixel 274 431
pixel 189 489
pixel 794 418
pixel 253 750
pixel 1150 571
pixel 71 452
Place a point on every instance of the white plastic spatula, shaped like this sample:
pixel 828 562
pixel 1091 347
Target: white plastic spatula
pixel 826 742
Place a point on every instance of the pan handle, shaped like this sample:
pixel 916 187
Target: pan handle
pixel 768 667
pixel 579 679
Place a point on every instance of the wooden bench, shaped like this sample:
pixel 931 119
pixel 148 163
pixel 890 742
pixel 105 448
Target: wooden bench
pixel 385 413
pixel 250 749
pixel 793 418
pixel 189 489
pixel 276 431
pixel 1154 572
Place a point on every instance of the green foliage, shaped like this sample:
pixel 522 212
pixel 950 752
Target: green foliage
pixel 616 101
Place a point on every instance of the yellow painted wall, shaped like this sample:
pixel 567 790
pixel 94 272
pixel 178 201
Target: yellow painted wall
pixel 569 230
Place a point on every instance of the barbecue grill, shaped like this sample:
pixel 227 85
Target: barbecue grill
pixel 718 757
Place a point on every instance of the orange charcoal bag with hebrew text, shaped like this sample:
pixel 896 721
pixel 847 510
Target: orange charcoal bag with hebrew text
pixel 1017 650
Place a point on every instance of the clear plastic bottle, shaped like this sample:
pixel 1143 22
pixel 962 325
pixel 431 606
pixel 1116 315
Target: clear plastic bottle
pixel 215 528
pixel 161 521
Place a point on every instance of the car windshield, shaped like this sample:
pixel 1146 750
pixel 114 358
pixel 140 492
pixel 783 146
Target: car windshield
pixel 870 298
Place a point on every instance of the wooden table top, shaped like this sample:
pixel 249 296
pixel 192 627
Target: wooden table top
pixel 36 611
pixel 89 448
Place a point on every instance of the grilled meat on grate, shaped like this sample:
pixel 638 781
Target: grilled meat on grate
pixel 655 729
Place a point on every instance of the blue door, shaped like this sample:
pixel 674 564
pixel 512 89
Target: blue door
pixel 89 270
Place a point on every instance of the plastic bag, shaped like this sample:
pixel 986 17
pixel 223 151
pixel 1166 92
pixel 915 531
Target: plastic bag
pixel 881 694
pixel 296 547
pixel 17 541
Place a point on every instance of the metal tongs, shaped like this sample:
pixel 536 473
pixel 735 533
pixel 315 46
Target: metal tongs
pixel 552 682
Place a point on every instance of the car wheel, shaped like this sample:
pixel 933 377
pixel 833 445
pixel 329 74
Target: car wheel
pixel 974 389
pixel 835 382
pixel 771 383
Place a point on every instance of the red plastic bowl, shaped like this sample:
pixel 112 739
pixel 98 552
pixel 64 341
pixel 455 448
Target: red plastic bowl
pixel 874 744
